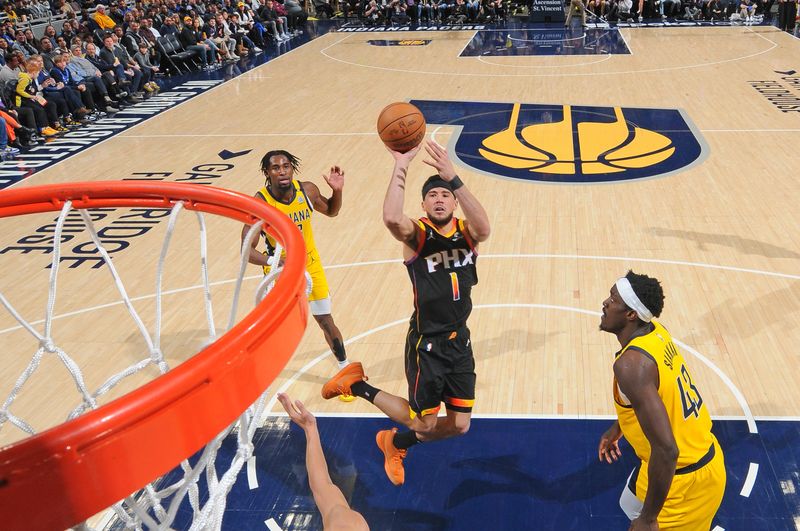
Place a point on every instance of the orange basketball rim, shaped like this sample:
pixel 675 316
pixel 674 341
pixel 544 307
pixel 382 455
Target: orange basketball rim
pixel 64 475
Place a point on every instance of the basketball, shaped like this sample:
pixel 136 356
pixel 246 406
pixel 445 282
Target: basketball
pixel 401 126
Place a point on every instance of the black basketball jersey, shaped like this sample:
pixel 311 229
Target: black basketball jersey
pixel 442 273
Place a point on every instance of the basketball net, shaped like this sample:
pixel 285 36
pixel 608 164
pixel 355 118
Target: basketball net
pixel 156 505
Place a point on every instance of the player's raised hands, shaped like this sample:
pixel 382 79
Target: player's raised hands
pixel 404 158
pixel 439 160
pixel 297 412
pixel 335 178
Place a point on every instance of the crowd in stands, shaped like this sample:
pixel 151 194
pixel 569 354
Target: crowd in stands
pixel 400 12
pixel 693 10
pixel 106 57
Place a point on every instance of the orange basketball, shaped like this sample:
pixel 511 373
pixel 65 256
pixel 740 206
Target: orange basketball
pixel 401 126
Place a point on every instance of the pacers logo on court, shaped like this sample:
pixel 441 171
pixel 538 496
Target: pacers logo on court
pixel 569 144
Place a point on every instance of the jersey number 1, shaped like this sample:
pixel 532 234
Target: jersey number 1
pixel 690 396
pixel 454 282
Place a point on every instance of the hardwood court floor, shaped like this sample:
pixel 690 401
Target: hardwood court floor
pixel 721 234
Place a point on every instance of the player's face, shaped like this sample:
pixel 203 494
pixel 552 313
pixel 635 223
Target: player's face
pixel 615 313
pixel 280 172
pixel 439 205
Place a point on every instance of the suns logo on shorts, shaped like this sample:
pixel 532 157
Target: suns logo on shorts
pixel 566 143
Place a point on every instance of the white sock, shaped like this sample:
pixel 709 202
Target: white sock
pixel 343 364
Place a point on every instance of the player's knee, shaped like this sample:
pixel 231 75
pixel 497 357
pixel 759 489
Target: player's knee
pixel 461 425
pixel 424 426
pixel 324 321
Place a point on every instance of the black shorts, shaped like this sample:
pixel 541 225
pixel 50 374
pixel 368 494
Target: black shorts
pixel 440 368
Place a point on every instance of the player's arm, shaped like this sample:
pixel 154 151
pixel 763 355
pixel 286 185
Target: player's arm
pixel 400 225
pixel 328 206
pixel 477 222
pixel 329 499
pixel 637 376
pixel 254 257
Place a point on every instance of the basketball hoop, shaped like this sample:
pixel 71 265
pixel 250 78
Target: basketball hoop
pixel 62 476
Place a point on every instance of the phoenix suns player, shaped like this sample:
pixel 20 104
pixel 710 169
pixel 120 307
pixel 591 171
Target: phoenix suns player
pixel 440 253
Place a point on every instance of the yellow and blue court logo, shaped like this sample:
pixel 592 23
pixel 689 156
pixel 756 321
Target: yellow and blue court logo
pixel 568 143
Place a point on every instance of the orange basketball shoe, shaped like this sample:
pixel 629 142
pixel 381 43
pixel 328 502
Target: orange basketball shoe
pixel 393 456
pixel 340 384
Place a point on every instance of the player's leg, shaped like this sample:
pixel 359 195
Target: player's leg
pixel 454 424
pixel 333 336
pixel 458 392
pixel 320 305
pixel 425 386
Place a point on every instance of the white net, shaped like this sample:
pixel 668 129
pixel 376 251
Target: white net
pixel 156 505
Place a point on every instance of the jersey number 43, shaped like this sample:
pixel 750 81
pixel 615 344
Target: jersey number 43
pixel 690 396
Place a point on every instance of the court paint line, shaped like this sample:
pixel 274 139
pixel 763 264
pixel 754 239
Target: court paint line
pixel 229 135
pixel 561 74
pixel 627 44
pixel 474 33
pixel 371 133
pixel 604 58
pixel 545 40
pixel 399 261
pixel 750 130
pixel 272 525
pixel 252 477
pixel 527 416
pixel 750 480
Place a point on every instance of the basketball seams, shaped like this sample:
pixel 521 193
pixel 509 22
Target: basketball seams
pixel 380 132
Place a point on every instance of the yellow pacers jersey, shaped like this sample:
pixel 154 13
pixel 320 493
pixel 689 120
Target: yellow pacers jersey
pixel 688 413
pixel 299 210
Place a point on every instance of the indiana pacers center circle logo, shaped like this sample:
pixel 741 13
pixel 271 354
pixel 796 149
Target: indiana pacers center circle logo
pixel 568 144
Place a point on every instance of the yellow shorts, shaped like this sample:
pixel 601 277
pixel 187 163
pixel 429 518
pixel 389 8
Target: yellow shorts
pixel 319 284
pixel 693 498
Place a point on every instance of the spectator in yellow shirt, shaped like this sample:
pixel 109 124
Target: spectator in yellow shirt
pixel 104 21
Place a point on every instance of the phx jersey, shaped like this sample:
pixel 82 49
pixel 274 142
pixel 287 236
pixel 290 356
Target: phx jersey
pixel 442 273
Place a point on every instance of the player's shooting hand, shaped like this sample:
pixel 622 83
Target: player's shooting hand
pixel 297 412
pixel 335 178
pixel 608 449
pixel 404 159
pixel 439 160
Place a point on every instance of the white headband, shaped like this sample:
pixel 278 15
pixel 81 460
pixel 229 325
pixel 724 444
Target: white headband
pixel 629 297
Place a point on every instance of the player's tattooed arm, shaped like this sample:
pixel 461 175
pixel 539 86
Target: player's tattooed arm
pixel 399 224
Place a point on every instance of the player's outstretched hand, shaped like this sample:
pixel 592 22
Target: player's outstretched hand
pixel 297 412
pixel 335 178
pixel 439 160
pixel 608 449
pixel 404 159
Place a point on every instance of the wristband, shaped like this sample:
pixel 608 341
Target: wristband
pixel 456 183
